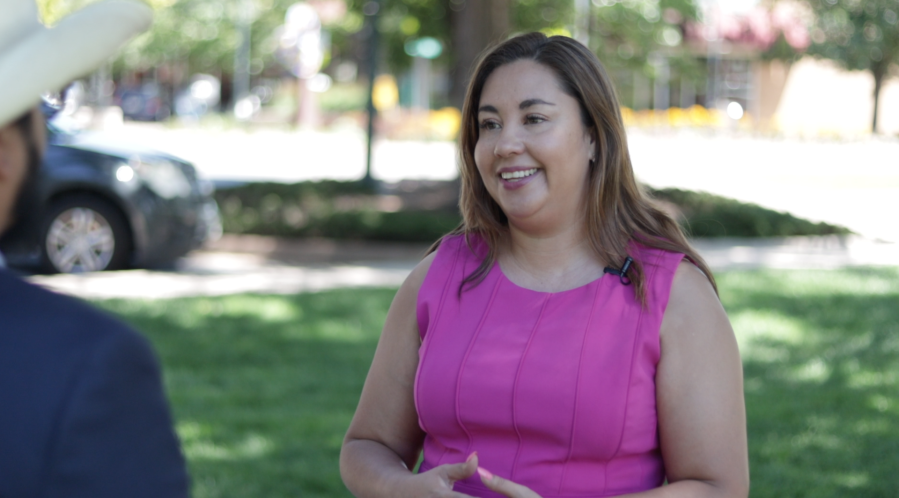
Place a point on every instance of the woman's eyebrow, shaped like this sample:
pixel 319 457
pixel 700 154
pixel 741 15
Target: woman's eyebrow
pixel 531 102
pixel 523 105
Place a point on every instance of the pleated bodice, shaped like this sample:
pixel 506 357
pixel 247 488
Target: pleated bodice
pixel 555 391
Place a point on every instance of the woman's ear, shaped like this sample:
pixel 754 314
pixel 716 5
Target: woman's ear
pixel 591 134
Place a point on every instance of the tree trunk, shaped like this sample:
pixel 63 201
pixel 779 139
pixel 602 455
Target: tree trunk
pixel 476 24
pixel 879 74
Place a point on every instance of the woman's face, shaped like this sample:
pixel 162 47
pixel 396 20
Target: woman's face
pixel 533 150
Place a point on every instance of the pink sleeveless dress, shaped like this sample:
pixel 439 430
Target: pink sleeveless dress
pixel 555 391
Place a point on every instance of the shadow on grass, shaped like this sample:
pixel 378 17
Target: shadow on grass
pixel 821 364
pixel 263 387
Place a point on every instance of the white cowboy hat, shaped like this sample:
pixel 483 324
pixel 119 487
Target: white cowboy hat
pixel 35 59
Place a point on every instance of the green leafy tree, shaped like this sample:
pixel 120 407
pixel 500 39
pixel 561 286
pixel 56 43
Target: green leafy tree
pixel 464 27
pixel 858 35
pixel 630 35
pixel 203 34
pixel 402 20
pixel 550 16
pixel 627 32
pixel 206 33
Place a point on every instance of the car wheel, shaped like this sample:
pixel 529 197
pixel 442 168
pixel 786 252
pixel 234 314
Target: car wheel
pixel 84 233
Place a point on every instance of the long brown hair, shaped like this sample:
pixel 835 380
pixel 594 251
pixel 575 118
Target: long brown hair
pixel 618 210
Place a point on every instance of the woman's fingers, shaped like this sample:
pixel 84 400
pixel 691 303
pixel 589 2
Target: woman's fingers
pixel 505 486
pixel 458 471
pixel 437 482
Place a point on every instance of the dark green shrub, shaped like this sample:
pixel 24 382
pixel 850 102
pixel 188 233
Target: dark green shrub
pixel 401 226
pixel 353 210
pixel 340 210
pixel 708 215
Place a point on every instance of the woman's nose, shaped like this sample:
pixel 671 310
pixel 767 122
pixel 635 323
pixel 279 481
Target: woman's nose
pixel 508 143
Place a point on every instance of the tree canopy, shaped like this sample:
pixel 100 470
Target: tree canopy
pixel 625 33
pixel 203 35
pixel 858 35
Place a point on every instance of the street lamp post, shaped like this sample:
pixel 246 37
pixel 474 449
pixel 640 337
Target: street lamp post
pixel 582 21
pixel 423 50
pixel 241 81
pixel 371 9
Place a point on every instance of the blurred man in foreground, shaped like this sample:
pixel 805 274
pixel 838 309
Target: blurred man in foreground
pixel 82 409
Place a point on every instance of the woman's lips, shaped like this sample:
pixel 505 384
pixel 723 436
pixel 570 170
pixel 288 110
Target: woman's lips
pixel 513 178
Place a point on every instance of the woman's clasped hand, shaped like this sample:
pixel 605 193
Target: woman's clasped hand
pixel 438 482
pixel 566 340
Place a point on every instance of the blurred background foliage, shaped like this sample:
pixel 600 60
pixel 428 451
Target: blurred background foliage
pixel 660 53
pixel 628 33
pixel 201 36
pixel 205 34
pixel 351 210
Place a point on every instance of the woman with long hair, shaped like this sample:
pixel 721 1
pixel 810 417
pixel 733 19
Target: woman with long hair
pixel 566 339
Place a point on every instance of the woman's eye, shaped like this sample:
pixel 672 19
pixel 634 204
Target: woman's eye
pixel 532 119
pixel 489 125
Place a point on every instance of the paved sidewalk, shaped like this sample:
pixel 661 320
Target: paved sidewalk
pixel 824 252
pixel 238 264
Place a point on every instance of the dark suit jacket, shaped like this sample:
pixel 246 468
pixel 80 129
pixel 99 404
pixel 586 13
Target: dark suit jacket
pixel 82 409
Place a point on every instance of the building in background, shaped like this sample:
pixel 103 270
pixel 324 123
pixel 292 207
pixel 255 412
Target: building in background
pixel 750 66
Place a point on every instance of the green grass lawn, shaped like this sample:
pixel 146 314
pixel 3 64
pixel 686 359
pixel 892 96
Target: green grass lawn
pixel 263 387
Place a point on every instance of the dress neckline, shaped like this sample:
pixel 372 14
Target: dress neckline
pixel 503 276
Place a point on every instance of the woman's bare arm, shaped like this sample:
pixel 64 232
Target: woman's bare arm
pixel 384 440
pixel 699 392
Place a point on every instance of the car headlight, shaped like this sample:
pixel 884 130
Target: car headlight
pixel 162 176
pixel 124 173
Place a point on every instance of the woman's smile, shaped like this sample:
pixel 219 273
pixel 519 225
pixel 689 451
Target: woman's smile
pixel 515 178
pixel 517 175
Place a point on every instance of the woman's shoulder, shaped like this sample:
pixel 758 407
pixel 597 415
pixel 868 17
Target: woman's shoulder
pixel 659 265
pixel 460 247
pixel 417 276
pixel 441 259
pixel 693 303
pixel 470 242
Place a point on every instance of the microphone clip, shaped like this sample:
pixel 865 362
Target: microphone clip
pixel 622 273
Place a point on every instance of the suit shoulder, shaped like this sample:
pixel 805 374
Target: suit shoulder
pixel 33 313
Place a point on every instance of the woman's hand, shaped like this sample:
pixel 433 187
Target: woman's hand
pixel 505 486
pixel 438 482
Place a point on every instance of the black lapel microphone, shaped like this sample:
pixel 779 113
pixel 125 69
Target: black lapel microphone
pixel 622 273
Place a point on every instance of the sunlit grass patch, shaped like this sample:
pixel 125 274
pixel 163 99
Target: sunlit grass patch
pixel 756 328
pixel 263 387
pixel 821 362
pixel 198 444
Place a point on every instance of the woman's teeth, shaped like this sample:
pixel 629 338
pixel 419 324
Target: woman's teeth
pixel 517 175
